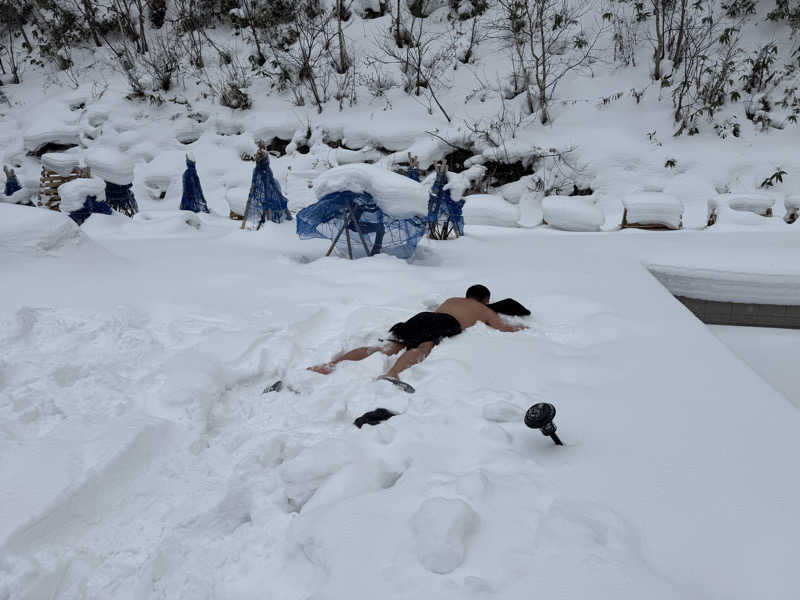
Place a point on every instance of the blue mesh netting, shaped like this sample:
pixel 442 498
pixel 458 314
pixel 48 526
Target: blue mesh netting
pixel 12 185
pixel 367 225
pixel 413 173
pixel 90 206
pixel 444 214
pixel 266 202
pixel 192 198
pixel 120 197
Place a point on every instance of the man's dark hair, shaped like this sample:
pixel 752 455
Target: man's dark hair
pixel 479 292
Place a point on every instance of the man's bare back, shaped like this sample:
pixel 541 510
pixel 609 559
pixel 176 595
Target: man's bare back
pixel 468 312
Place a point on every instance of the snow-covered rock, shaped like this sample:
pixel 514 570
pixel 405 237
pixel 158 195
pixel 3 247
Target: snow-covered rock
pixel 110 165
pixel 73 193
pixel 653 208
pixel 572 213
pixel 395 194
pixel 488 209
pixel 441 529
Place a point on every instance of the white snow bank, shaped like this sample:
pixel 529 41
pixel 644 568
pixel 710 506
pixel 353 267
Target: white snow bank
pixel 530 210
pixel 572 213
pixel 441 527
pixel 487 209
pixel 25 228
pixel 110 165
pixel 728 285
pixel 792 202
pixel 653 208
pixel 73 193
pixel 395 194
pixel 62 163
pixel 760 204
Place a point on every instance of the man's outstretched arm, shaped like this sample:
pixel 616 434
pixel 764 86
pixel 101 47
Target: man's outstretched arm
pixel 493 320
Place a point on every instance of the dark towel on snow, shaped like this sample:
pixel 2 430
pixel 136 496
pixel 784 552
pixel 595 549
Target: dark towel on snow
pixel 373 417
pixel 509 307
pixel 425 327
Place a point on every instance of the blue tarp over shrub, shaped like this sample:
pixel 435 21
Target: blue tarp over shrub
pixel 445 215
pixel 266 202
pixel 90 206
pixel 367 225
pixel 413 173
pixel 12 184
pixel 192 198
pixel 120 197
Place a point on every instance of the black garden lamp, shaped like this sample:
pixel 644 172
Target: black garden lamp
pixel 540 416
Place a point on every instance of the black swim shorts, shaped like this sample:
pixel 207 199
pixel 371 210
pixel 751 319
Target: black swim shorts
pixel 424 327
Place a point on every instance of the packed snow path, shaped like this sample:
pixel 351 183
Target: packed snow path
pixel 140 459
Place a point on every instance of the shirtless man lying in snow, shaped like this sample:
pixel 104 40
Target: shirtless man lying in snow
pixel 423 331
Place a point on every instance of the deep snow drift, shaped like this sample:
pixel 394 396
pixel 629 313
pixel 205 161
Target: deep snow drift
pixel 140 458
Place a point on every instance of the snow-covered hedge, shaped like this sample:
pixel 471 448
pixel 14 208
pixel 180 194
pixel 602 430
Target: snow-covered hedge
pixel 652 209
pixel 760 204
pixel 572 213
pixel 487 209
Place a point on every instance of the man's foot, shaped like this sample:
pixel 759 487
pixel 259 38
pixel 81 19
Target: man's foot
pixel 325 369
pixel 401 384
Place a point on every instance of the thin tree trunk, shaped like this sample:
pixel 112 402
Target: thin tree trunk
pixel 343 60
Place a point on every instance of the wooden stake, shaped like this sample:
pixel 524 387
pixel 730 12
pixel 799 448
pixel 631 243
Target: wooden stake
pixel 336 239
pixel 358 228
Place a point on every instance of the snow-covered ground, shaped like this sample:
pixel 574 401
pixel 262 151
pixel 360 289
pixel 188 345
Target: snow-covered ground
pixel 140 458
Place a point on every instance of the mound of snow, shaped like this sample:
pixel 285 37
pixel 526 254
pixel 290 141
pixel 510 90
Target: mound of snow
pixel 760 204
pixel 62 163
pixel 162 175
pixel 24 195
pixel 572 213
pixel 653 208
pixel 110 165
pixel 441 527
pixel 395 194
pixel 25 229
pixel 530 210
pixel 487 209
pixel 73 193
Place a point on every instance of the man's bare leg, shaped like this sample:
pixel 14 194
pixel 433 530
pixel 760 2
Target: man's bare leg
pixel 388 349
pixel 408 359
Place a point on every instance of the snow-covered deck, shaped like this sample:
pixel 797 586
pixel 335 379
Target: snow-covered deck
pixel 139 454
